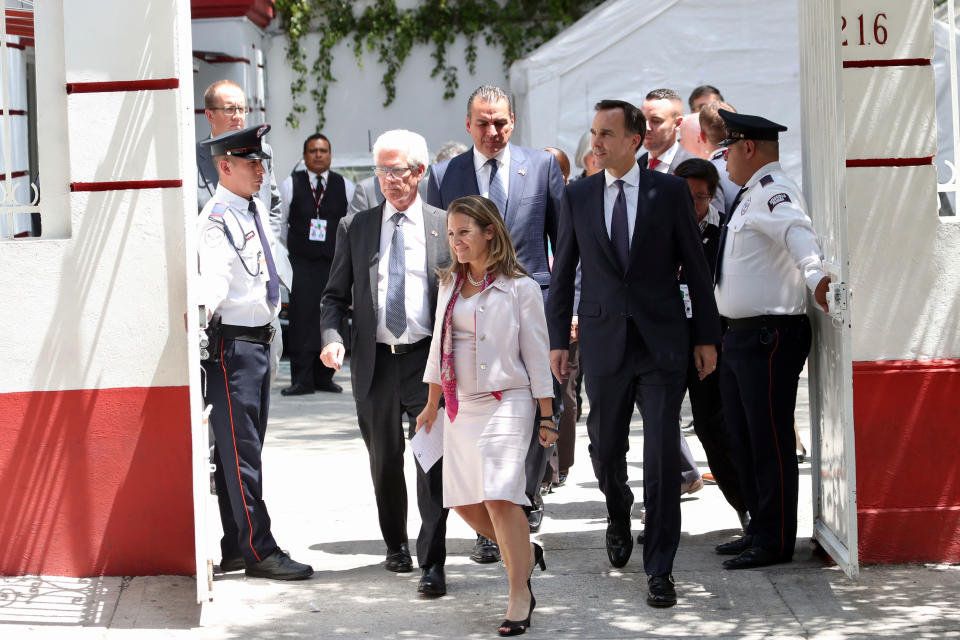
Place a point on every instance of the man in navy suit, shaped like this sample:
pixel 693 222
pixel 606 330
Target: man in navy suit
pixel 630 228
pixel 527 187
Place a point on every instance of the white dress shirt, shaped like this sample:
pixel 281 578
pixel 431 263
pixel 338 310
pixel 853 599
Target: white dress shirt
pixel 631 191
pixel 771 253
pixel 483 170
pixel 665 158
pixel 416 284
pixel 233 278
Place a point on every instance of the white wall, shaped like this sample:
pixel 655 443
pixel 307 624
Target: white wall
pixel 355 112
pixel 101 304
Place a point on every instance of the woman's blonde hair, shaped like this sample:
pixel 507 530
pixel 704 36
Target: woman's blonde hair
pixel 502 258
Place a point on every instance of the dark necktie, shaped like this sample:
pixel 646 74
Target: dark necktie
pixel 619 229
pixel 396 311
pixel 273 285
pixel 496 193
pixel 723 238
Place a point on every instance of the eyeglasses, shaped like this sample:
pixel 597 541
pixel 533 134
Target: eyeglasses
pixel 396 172
pixel 232 111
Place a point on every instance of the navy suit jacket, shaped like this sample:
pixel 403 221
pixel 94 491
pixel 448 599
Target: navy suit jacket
pixel 665 236
pixel 534 201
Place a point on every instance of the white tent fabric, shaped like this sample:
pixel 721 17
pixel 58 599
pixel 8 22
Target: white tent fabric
pixel 625 48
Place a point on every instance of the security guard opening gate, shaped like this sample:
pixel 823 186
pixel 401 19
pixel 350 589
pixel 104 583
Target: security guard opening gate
pixel 830 366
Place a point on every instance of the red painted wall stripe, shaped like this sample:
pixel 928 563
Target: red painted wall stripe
pixel 901 62
pixel 217 58
pixel 123 85
pixel 906 417
pixel 96 482
pixel 13 112
pixel 14 174
pixel 889 162
pixel 125 184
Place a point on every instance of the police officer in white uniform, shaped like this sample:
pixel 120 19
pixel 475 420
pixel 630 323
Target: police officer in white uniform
pixel 240 289
pixel 767 260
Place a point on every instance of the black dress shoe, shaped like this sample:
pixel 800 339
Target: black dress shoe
pixel 619 543
pixel 660 591
pixel 485 551
pixel 329 386
pixel 734 547
pixel 399 561
pixel 535 515
pixel 232 564
pixel 296 390
pixel 561 479
pixel 641 537
pixel 280 566
pixel 433 582
pixel 754 557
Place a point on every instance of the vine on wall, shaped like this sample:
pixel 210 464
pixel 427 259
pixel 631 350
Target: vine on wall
pixel 516 26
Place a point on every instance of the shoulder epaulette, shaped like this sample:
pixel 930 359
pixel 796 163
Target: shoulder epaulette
pixel 765 180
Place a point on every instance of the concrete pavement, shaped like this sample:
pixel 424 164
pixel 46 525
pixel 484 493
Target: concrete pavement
pixel 318 490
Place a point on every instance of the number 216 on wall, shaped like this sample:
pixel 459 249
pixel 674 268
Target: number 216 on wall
pixel 862 36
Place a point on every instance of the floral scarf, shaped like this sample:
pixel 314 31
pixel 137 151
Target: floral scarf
pixel 448 379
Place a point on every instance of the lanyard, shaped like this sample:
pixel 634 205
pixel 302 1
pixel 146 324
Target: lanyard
pixel 317 198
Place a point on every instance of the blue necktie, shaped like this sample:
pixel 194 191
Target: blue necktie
pixel 273 285
pixel 619 229
pixel 497 193
pixel 396 312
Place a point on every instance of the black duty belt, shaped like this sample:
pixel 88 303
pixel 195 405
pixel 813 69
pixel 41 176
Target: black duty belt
pixel 754 323
pixel 400 349
pixel 260 335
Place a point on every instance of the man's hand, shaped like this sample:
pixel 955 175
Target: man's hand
pixel 820 293
pixel 559 364
pixel 574 330
pixel 332 355
pixel 705 359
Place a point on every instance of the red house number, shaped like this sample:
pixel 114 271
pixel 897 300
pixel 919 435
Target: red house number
pixel 879 31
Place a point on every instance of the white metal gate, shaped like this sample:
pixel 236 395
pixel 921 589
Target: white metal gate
pixel 830 366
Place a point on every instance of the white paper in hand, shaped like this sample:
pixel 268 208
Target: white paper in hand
pixel 428 447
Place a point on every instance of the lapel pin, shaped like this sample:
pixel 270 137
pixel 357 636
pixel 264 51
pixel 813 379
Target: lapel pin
pixel 522 172
pixel 434 233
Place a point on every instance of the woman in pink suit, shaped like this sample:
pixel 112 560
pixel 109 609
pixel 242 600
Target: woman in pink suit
pixel 489 361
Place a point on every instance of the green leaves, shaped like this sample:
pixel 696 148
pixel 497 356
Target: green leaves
pixel 515 26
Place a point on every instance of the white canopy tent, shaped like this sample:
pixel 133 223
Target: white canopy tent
pixel 626 48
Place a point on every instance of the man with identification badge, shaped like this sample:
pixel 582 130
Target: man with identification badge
pixel 314 199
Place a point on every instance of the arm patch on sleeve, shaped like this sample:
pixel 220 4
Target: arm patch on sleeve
pixel 777 199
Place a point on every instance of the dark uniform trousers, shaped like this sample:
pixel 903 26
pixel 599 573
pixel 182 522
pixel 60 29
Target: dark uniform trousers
pixel 397 388
pixel 658 395
pixel 758 382
pixel 711 429
pixel 238 387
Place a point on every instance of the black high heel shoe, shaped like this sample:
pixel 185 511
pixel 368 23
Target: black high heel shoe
pixel 538 558
pixel 517 627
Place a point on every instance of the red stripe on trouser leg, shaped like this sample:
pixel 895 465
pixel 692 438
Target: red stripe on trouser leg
pixel 236 455
pixel 776 439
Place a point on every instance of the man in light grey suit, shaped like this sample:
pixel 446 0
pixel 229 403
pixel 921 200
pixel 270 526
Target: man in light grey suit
pixel 663 110
pixel 225 106
pixel 385 266
pixel 527 187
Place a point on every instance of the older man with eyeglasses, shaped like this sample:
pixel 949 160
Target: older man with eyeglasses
pixel 385 267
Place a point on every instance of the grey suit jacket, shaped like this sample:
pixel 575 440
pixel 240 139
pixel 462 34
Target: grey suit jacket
pixel 534 201
pixel 353 281
pixel 207 180
pixel 681 155
pixel 366 196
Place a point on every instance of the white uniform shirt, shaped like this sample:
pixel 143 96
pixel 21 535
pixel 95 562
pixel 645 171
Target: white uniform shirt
pixel 483 170
pixel 771 250
pixel 234 276
pixel 631 191
pixel 416 284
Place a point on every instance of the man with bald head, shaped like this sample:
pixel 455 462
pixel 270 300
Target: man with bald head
pixel 663 111
pixel 690 136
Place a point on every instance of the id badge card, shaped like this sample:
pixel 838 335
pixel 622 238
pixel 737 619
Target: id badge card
pixel 687 305
pixel 318 230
